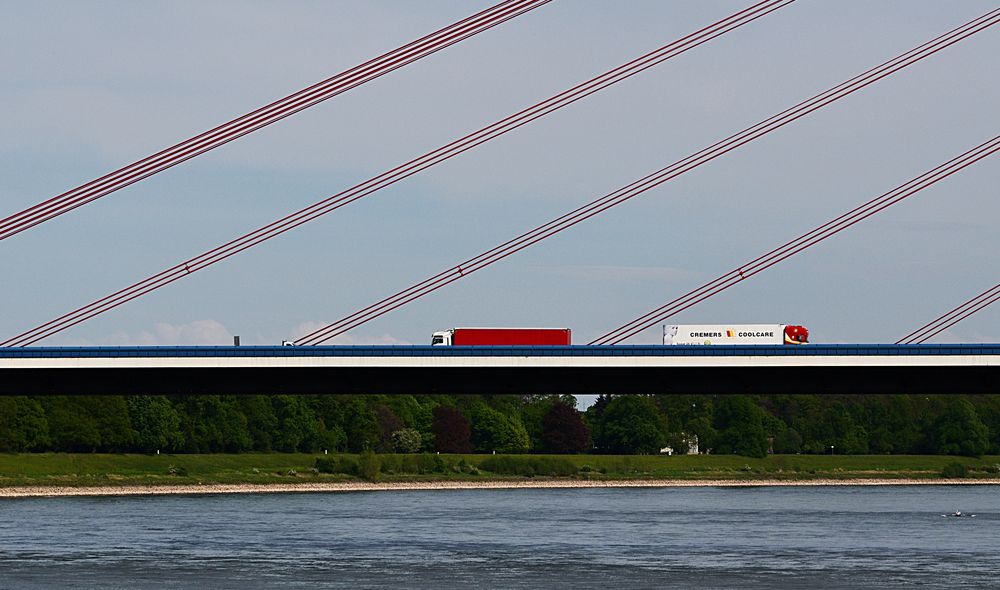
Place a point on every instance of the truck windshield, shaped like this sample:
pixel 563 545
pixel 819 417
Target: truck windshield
pixel 437 340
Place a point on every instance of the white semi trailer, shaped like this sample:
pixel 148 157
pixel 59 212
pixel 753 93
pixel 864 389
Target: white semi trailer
pixel 735 334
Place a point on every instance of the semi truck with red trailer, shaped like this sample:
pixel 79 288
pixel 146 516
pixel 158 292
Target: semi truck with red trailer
pixel 502 337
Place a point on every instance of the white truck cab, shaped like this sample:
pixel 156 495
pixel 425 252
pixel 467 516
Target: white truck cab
pixel 442 338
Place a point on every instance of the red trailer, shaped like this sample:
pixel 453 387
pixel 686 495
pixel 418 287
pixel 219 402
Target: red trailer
pixel 503 337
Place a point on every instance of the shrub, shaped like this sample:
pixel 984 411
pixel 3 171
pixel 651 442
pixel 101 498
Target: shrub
pixel 347 466
pixel 423 464
pixel 463 467
pixel 178 471
pixel 369 466
pixel 528 466
pixel 625 466
pixel 392 464
pixel 344 465
pixel 410 464
pixel 954 470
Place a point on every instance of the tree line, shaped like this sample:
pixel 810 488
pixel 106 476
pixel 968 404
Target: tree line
pixel 618 424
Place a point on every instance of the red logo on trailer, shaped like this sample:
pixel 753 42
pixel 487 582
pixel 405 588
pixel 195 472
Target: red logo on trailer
pixel 796 335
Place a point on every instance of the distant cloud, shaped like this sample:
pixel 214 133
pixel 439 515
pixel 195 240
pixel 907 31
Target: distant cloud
pixel 309 327
pixel 196 333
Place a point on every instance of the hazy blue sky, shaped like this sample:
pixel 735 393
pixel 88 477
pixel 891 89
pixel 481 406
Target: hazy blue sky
pixel 90 86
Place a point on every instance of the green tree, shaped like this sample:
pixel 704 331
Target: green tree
pixel 114 425
pixel 989 411
pixel 262 424
pixel 632 424
pixel 493 430
pixel 959 431
pixel 703 429
pixel 155 422
pixel 533 411
pixel 740 423
pixel 423 421
pixel 414 413
pixel 89 423
pixel 849 437
pixel 788 441
pixel 71 426
pixel 213 424
pixel 881 438
pixel 793 423
pixel 23 425
pixel 680 410
pixel 298 427
pixel 361 426
pixel 594 418
pixel 334 438
pixel 507 404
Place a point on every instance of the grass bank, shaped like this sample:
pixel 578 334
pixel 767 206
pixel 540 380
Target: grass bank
pixel 62 469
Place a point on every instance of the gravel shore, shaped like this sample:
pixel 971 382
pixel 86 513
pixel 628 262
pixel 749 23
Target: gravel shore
pixel 48 491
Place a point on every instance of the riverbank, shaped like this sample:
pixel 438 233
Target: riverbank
pixel 51 473
pixel 179 490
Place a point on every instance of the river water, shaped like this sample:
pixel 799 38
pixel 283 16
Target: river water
pixel 766 537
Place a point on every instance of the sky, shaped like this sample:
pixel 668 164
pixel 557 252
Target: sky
pixel 89 87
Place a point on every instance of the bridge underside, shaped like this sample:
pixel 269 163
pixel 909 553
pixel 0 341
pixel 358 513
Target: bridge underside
pixel 519 380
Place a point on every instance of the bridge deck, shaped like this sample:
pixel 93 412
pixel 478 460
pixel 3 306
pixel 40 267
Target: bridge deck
pixel 14 355
pixel 839 368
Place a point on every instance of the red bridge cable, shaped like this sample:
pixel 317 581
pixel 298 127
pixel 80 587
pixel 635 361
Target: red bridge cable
pixel 807 240
pixel 951 318
pixel 398 173
pixel 264 116
pixel 912 337
pixel 826 230
pixel 1 230
pixel 343 83
pixel 960 318
pixel 621 195
pixel 248 123
pixel 434 287
pixel 442 279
